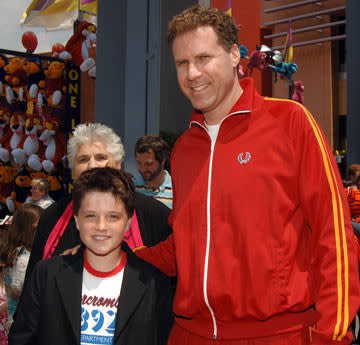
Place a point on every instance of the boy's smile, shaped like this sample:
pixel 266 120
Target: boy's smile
pixel 102 222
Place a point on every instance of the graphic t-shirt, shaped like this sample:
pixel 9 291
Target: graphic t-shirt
pixel 100 298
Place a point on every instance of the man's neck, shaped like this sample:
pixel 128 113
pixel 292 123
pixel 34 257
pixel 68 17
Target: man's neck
pixel 157 181
pixel 215 116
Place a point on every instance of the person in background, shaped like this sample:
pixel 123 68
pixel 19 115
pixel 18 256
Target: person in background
pixel 101 295
pixel 95 145
pixel 16 252
pixel 262 243
pixel 354 174
pixel 152 154
pixel 39 193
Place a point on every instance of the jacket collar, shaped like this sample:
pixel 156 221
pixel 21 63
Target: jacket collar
pixel 132 290
pixel 246 103
pixel 71 293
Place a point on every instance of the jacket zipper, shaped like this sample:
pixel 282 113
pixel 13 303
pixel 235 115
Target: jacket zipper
pixel 208 219
pixel 206 265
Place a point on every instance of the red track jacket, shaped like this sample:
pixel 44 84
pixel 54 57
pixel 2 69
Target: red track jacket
pixel 262 240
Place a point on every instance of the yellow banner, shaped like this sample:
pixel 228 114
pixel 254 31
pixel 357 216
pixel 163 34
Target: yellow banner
pixel 58 14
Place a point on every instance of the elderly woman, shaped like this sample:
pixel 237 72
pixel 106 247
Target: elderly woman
pixel 39 193
pixel 95 145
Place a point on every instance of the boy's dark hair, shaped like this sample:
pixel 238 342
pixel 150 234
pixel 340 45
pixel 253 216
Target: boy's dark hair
pixel 197 16
pixel 151 142
pixel 21 232
pixel 117 182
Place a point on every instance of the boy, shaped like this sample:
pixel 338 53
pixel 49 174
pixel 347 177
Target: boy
pixel 101 295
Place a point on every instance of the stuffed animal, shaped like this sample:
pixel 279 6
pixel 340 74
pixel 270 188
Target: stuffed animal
pixel 77 47
pixel 5 132
pixel 16 78
pixel 55 80
pixel 257 59
pixel 56 188
pixel 36 77
pixel 3 62
pixel 17 121
pixel 55 146
pixel 7 181
pixel 21 190
pixel 32 146
pixel 298 91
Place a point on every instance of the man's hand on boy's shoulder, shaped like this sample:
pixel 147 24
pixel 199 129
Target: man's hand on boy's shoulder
pixel 71 251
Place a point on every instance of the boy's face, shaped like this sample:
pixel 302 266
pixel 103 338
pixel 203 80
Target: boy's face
pixel 102 222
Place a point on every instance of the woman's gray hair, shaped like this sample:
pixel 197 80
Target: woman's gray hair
pixel 93 132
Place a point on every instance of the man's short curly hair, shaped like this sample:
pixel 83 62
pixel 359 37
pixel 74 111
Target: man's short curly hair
pixel 197 16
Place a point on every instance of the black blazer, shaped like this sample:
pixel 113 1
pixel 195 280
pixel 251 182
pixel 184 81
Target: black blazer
pixel 50 310
pixel 152 217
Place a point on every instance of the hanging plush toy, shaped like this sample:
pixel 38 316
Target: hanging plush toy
pixel 21 190
pixel 298 91
pixel 286 70
pixel 36 77
pixel 3 82
pixel 77 48
pixel 16 78
pixel 7 181
pixel 56 189
pixel 55 84
pixel 32 145
pixel 17 121
pixel 257 59
pixel 5 132
pixel 55 146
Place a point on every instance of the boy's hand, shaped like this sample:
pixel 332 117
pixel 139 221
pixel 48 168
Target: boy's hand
pixel 71 251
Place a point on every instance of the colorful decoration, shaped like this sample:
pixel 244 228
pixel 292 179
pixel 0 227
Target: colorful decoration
pixel 77 48
pixel 56 49
pixel 298 89
pixel 29 41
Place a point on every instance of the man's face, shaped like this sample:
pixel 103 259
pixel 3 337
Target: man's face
pixel 206 71
pixel 148 166
pixel 37 192
pixel 102 222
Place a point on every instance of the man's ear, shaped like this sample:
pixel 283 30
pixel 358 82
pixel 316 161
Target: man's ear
pixel 235 55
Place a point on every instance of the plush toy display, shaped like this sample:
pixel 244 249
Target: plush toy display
pixel 77 47
pixel 33 113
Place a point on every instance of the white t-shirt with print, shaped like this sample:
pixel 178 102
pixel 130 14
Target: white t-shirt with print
pixel 100 298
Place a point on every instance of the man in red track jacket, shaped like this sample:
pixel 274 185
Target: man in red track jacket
pixel 262 242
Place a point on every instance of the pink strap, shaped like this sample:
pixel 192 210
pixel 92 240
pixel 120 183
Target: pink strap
pixel 55 235
pixel 133 236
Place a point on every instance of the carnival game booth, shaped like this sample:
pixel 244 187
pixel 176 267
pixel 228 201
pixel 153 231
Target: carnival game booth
pixel 39 107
